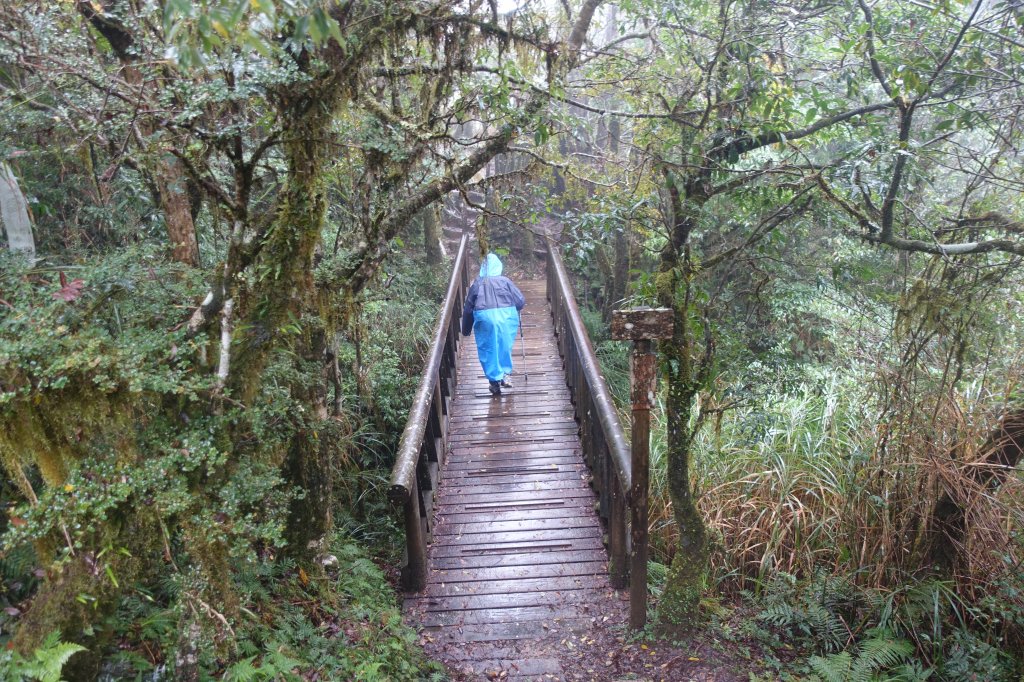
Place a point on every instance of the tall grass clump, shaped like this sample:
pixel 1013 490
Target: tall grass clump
pixel 826 481
pixel 774 479
pixel 779 479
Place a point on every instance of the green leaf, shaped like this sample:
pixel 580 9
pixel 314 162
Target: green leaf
pixel 301 29
pixel 541 135
pixel 174 11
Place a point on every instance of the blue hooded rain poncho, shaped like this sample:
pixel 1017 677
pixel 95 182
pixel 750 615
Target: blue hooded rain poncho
pixel 492 314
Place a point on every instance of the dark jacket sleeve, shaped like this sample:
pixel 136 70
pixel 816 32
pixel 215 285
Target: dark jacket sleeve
pixel 467 310
pixel 517 295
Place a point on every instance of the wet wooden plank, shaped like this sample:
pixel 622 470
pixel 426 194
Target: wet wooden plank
pixel 545 613
pixel 447 527
pixel 514 599
pixel 528 458
pixel 516 515
pixel 495 632
pixel 477 471
pixel 507 404
pixel 530 433
pixel 483 466
pixel 513 450
pixel 474 498
pixel 561 583
pixel 499 420
pixel 518 542
pixel 461 568
pixel 485 473
pixel 562 542
pixel 523 418
pixel 524 490
pixel 526 510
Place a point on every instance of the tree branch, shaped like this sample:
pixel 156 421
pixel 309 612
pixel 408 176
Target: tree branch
pixel 869 40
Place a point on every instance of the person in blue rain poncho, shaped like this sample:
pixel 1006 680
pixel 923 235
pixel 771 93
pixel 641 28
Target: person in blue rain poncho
pixel 492 314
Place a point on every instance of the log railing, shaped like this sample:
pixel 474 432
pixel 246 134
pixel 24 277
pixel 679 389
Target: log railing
pixel 604 443
pixel 421 450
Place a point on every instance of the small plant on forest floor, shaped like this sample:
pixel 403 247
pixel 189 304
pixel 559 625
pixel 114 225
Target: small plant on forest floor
pixel 45 664
pixel 344 625
pixel 880 655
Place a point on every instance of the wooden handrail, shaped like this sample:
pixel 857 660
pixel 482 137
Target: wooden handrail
pixel 603 440
pixel 421 450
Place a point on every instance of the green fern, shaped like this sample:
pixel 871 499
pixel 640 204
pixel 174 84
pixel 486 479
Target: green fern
pixel 879 654
pixel 275 666
pixel 46 663
pixel 834 667
pixel 242 671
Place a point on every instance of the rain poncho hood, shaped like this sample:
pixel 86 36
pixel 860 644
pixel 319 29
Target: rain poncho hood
pixel 491 267
pixel 492 313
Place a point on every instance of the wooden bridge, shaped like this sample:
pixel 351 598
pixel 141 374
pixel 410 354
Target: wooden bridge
pixel 515 514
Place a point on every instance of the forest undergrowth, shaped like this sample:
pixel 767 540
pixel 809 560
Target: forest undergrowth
pixel 98 339
pixel 817 481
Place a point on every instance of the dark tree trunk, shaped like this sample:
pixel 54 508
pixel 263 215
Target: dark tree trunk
pixel 172 185
pixel 308 464
pixel 432 234
pixel 685 369
pixel 620 272
pixel 170 181
pixel 947 530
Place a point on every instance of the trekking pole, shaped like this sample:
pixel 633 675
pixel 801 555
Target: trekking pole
pixel 526 375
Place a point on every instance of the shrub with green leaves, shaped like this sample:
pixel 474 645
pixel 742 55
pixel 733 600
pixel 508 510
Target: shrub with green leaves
pixel 157 506
pixel 344 625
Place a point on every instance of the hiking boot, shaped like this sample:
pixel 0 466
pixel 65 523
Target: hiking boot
pixel 505 383
pixel 495 387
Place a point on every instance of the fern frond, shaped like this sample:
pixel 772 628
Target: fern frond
pixel 242 671
pixel 879 653
pixel 834 667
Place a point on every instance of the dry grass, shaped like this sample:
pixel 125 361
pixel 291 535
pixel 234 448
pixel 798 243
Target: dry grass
pixel 819 480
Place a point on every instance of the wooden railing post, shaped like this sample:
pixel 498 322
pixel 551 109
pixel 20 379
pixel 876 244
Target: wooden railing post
pixel 643 383
pixel 640 325
pixel 414 574
pixel 618 569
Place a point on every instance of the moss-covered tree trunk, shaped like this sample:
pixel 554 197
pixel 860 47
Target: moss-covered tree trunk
pixel 307 464
pixel 432 234
pixel 284 292
pixel 685 369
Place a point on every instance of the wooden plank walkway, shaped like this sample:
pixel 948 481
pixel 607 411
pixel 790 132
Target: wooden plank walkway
pixel 517 551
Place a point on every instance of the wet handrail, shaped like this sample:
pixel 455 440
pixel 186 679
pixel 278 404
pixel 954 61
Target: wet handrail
pixel 420 457
pixel 601 434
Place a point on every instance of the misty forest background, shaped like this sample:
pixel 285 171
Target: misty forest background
pixel 228 226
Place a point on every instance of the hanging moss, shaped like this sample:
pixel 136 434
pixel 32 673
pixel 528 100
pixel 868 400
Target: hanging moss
pixel 49 431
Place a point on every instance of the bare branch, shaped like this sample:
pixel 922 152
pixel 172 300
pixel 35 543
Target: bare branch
pixel 869 40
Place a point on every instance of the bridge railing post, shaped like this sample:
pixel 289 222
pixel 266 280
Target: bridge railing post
pixel 414 574
pixel 641 326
